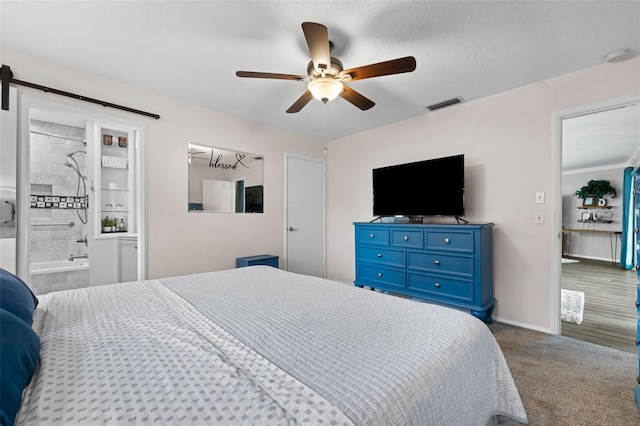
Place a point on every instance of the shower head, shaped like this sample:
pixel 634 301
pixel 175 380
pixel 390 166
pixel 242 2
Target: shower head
pixel 72 167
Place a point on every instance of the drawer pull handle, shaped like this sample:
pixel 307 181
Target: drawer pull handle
pixel 371 235
pixel 447 240
pixel 406 238
pixel 379 274
pixel 637 304
pixel 437 285
pixel 379 255
pixel 437 262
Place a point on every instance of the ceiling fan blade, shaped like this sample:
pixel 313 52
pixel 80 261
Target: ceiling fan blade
pixel 252 74
pixel 356 98
pixel 318 41
pixel 301 102
pixel 394 66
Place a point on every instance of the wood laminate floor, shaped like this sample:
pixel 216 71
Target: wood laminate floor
pixel 610 313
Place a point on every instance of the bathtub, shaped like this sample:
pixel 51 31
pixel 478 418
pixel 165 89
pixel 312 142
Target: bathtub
pixel 56 276
pixel 59 266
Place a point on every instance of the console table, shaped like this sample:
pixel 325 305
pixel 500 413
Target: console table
pixel 445 264
pixel 613 241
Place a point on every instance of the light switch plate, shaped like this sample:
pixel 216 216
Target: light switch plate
pixel 539 217
pixel 539 197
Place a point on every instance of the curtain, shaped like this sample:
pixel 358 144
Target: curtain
pixel 627 251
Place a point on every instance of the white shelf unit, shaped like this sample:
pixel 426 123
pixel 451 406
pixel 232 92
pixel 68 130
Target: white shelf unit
pixel 115 183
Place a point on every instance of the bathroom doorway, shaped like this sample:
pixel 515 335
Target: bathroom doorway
pixel 69 182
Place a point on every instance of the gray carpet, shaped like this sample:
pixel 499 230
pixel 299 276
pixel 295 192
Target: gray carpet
pixel 563 381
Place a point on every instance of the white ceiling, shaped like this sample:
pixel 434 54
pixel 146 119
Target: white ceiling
pixel 604 138
pixel 190 50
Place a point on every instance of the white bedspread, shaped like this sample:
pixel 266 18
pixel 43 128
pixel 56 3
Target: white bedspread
pixel 383 360
pixel 260 346
pixel 137 354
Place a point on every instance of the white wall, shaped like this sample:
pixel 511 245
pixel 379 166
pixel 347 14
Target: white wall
pixel 508 142
pixel 180 242
pixel 592 246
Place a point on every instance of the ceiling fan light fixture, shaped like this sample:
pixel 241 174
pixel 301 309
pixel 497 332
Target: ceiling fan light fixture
pixel 325 89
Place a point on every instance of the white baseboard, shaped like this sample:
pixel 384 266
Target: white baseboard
pixel 582 256
pixel 523 325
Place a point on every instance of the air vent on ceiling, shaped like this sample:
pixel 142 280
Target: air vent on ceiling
pixel 444 104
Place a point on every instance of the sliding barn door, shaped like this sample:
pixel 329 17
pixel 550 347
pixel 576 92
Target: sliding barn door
pixel 8 183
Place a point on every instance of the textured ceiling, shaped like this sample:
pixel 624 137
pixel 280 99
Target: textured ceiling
pixel 191 50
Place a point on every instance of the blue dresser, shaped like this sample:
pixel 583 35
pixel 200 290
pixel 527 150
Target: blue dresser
pixel 445 264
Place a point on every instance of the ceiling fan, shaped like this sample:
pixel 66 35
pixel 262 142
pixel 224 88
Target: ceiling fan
pixel 326 75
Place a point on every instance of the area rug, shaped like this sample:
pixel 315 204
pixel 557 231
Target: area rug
pixel 572 306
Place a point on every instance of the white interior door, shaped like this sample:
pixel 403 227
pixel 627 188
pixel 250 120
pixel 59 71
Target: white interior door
pixel 305 216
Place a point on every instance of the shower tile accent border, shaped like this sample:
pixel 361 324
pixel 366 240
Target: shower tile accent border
pixel 58 202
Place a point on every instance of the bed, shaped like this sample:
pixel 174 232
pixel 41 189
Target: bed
pixel 261 346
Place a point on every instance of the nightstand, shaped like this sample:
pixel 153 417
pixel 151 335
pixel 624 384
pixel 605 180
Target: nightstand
pixel 263 259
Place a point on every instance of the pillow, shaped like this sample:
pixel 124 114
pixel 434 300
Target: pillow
pixel 16 297
pixel 19 350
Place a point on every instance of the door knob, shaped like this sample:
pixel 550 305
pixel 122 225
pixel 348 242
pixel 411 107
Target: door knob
pixel 291 228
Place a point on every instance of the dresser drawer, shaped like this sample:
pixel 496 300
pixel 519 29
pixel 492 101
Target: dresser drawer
pixel 440 262
pixel 382 256
pixel 369 274
pixel 412 238
pixel 444 288
pixel 373 235
pixel 459 241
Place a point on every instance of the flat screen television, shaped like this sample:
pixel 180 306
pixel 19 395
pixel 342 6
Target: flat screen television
pixel 425 188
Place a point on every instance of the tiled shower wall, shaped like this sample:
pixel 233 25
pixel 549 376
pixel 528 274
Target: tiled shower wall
pixel 50 177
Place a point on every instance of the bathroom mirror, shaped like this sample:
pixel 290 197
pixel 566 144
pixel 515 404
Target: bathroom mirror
pixel 225 181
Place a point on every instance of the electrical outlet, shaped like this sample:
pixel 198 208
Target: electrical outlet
pixel 539 217
pixel 539 197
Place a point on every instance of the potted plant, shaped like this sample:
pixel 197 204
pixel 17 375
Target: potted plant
pixel 106 224
pixel 595 190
